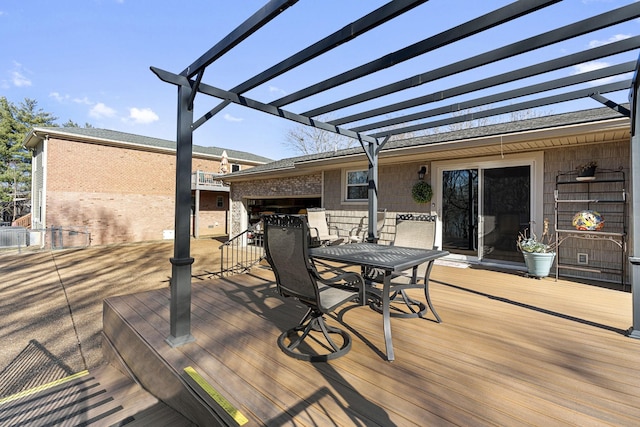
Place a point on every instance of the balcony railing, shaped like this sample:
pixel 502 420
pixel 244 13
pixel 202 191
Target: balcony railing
pixel 201 180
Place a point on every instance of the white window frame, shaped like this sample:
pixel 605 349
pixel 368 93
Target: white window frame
pixel 345 186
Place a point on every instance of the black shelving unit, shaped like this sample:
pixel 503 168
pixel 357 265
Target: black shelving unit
pixel 603 252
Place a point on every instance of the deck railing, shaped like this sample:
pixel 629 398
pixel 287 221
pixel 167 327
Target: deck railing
pixel 239 254
pixel 207 181
pixel 24 221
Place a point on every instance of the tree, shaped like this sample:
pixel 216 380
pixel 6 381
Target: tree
pixel 304 140
pixel 71 124
pixel 15 159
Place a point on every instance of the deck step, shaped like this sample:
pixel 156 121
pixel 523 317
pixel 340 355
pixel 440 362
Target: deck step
pixel 102 397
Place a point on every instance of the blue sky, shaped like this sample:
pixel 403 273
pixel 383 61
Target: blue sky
pixel 88 60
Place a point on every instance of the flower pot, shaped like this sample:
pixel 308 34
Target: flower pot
pixel 587 174
pixel 538 263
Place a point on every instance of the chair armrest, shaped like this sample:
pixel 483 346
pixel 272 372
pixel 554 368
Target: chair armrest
pixel 348 280
pixel 314 230
pixel 333 227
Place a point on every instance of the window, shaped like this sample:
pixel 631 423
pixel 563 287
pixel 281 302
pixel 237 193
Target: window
pixel 220 202
pixel 235 168
pixel 357 185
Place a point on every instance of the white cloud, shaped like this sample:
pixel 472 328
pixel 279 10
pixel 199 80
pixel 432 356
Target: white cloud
pixel 100 111
pixel 228 117
pixel 589 66
pixel 142 115
pixel 275 89
pixel 17 76
pixel 597 65
pixel 19 79
pixel 84 101
pixel 58 97
pixel 617 37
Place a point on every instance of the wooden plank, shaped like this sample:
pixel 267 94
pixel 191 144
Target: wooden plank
pixel 510 351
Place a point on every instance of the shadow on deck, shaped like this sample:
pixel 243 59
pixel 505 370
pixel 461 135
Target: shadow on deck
pixel 510 351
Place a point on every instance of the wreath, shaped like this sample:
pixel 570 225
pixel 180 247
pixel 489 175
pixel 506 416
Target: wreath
pixel 422 192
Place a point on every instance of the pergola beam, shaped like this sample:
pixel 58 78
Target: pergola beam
pixel 349 32
pixel 609 103
pixel 180 80
pixel 526 105
pixel 610 49
pixel 489 20
pixel 585 26
pixel 244 30
pixel 504 96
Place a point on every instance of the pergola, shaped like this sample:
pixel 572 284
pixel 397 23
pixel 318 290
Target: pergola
pixel 372 127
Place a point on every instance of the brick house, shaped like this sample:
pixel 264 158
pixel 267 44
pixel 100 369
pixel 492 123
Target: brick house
pixel 509 172
pixel 120 187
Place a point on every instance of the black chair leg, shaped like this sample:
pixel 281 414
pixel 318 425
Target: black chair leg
pixel 314 322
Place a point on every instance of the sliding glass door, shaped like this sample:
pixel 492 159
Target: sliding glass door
pixel 506 211
pixel 460 211
pixel 484 205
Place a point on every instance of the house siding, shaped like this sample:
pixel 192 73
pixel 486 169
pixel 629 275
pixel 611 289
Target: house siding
pixel 37 202
pixel 615 156
pixel 394 195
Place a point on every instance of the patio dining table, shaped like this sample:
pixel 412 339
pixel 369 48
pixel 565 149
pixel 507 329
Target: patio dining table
pixel 391 259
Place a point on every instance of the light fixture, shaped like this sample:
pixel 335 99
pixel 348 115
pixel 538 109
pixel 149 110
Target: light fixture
pixel 422 172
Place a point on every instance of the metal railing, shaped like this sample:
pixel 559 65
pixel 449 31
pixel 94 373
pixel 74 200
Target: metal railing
pixel 14 237
pixel 69 237
pixel 207 180
pixel 239 254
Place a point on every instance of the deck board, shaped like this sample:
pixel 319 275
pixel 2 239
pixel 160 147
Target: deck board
pixel 510 351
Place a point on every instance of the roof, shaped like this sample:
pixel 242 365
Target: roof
pixel 111 136
pixel 449 140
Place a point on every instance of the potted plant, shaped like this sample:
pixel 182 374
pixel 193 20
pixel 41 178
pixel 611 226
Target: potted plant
pixel 587 171
pixel 538 254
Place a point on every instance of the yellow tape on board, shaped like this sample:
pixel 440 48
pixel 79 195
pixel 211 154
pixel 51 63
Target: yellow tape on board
pixel 220 400
pixel 40 388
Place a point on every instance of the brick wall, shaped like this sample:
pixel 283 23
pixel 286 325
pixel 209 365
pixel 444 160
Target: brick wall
pixel 121 194
pixel 213 219
pixel 295 186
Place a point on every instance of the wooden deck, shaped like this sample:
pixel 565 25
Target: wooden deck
pixel 510 351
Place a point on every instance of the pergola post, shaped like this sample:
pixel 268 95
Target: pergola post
pixel 180 307
pixel 372 176
pixel 634 232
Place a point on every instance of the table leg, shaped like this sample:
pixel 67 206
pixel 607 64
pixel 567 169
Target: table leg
pixel 386 318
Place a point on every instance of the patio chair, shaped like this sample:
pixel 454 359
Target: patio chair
pixel 412 231
pixel 359 234
pixel 286 246
pixel 320 230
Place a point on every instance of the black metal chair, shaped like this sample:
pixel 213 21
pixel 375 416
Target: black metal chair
pixel 287 247
pixel 412 231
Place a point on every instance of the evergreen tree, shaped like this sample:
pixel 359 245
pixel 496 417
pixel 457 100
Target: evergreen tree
pixel 15 159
